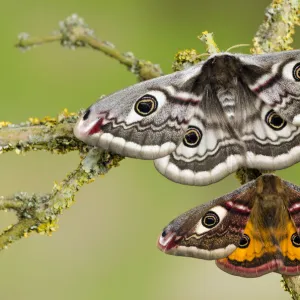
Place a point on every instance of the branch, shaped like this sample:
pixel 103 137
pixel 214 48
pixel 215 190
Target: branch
pixel 74 33
pixel 277 30
pixel 50 134
pixel 39 213
pixel 10 203
pixel 189 57
pixel 208 39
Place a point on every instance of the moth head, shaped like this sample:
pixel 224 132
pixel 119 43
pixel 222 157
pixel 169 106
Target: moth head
pixel 195 234
pixel 125 107
pixel 88 124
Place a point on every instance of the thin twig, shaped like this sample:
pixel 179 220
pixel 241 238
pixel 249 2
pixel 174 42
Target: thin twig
pixel 25 42
pixel 208 39
pixel 8 203
pixel 16 232
pixel 50 134
pixel 74 33
pixel 39 213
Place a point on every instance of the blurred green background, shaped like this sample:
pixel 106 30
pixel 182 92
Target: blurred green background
pixel 106 245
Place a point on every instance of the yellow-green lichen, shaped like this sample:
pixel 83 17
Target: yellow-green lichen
pixel 185 59
pixel 4 124
pixel 208 39
pixel 47 228
pixel 276 32
pixel 146 70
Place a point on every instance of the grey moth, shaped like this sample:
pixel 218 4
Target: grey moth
pixel 203 123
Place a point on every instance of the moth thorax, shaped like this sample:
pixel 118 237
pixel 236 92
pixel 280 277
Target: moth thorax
pixel 270 185
pixel 224 68
pixel 270 211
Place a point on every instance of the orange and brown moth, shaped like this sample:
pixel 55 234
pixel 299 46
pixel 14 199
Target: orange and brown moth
pixel 249 232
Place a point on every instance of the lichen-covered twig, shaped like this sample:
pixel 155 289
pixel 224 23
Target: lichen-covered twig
pixel 39 212
pixel 10 203
pixel 50 134
pixel 188 57
pixel 277 30
pixel 74 32
pixel 208 39
pixel 292 285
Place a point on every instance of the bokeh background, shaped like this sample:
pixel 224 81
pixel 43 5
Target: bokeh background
pixel 106 245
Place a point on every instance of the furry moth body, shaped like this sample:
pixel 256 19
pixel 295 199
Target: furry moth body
pixel 203 123
pixel 249 232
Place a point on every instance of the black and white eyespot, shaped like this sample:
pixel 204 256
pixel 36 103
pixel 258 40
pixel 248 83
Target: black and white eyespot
pixel 274 120
pixel 295 239
pixel 296 72
pixel 192 137
pixel 291 71
pixel 210 220
pixel 244 241
pixel 146 105
pixel 86 114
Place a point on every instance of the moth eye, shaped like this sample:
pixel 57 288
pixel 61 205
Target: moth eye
pixel 210 219
pixel 274 120
pixel 86 114
pixel 296 72
pixel 192 137
pixel 164 233
pixel 244 241
pixel 146 105
pixel 295 238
